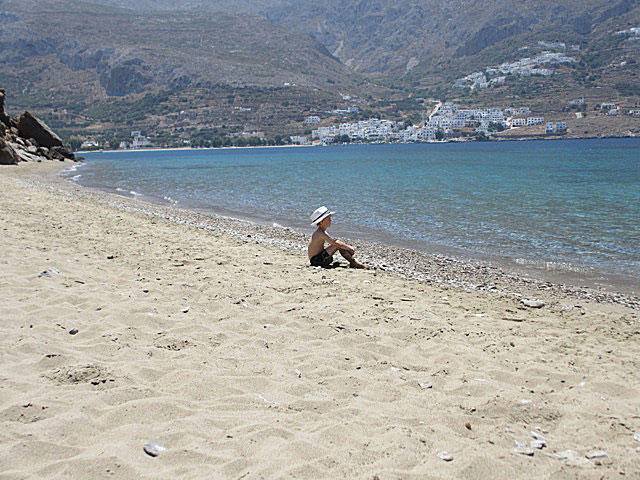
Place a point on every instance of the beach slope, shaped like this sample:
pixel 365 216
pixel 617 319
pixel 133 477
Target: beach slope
pixel 120 328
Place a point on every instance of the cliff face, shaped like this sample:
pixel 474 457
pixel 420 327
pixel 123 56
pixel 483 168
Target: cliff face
pixel 28 139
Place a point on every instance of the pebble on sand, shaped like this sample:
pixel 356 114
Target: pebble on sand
pixel 539 444
pixel 636 436
pixel 73 331
pixel 532 303
pixel 446 456
pixel 153 449
pixel 596 454
pixel 523 449
pixel 49 272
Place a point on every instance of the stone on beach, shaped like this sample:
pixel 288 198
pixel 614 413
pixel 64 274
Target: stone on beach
pixel 532 303
pixel 446 456
pixel 30 126
pixel 523 449
pixel 596 454
pixel 8 155
pixel 539 444
pixel 49 272
pixel 153 449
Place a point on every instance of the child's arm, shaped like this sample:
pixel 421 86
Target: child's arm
pixel 337 243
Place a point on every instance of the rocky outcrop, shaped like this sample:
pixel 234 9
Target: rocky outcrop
pixel 32 127
pixel 28 139
pixel 4 118
pixel 8 155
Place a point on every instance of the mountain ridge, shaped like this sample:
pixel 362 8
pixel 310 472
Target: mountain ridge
pixel 267 64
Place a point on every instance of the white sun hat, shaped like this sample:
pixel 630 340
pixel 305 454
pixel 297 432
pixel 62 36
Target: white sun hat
pixel 320 214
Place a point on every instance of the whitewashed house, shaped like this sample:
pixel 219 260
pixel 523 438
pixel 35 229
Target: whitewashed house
pixel 299 140
pixel 140 142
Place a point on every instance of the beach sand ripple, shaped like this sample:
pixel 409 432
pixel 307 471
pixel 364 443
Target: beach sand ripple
pixel 280 370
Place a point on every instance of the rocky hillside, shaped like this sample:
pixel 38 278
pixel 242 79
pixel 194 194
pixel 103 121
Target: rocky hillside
pixel 414 42
pixel 98 66
pixel 100 50
pixel 27 139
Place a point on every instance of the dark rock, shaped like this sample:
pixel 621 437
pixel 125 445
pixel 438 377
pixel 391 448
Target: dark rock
pixel 26 156
pixel 61 153
pixel 73 331
pixel 4 118
pixel 32 127
pixel 8 155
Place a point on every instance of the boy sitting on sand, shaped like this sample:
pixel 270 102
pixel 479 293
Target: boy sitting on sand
pixel 323 257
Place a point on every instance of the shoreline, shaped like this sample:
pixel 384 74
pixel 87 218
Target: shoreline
pixel 436 142
pixel 172 149
pixel 438 268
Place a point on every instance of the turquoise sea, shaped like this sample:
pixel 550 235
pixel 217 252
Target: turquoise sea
pixel 570 206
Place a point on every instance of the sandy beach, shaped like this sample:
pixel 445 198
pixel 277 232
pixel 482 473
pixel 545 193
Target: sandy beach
pixel 126 323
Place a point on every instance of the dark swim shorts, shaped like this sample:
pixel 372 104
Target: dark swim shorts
pixel 323 259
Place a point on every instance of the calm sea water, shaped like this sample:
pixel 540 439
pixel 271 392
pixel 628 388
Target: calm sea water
pixel 565 205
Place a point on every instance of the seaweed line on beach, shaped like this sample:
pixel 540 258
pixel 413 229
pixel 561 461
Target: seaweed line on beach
pixel 437 269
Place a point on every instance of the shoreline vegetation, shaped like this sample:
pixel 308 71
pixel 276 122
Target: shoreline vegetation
pixel 129 322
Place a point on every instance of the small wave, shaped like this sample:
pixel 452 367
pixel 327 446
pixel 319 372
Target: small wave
pixel 76 177
pixel 135 194
pixel 553 266
pixel 170 200
pixel 120 189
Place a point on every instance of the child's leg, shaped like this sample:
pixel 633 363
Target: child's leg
pixel 352 261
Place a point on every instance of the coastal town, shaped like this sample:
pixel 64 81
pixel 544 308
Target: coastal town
pixel 446 121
